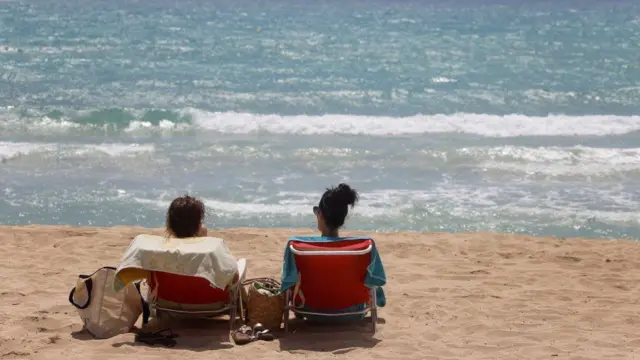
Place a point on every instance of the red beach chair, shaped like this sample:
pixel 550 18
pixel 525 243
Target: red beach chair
pixel 331 277
pixel 187 290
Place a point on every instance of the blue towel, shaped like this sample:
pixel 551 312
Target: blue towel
pixel 375 278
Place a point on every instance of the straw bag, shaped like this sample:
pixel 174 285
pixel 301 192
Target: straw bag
pixel 265 302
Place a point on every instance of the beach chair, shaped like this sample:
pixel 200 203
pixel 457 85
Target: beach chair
pixel 195 277
pixel 194 296
pixel 331 277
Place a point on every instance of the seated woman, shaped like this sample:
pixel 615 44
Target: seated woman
pixel 331 213
pixel 189 275
pixel 185 219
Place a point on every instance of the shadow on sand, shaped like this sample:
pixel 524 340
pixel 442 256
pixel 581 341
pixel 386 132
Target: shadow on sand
pixel 304 335
pixel 326 337
pixel 193 335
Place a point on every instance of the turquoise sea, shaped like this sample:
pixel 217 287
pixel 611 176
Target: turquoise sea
pixel 511 116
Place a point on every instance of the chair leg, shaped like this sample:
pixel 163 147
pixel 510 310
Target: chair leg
pixel 233 312
pixel 232 317
pixel 374 319
pixel 285 313
pixel 240 307
pixel 374 310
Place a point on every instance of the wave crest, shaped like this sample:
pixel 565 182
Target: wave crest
pixel 486 125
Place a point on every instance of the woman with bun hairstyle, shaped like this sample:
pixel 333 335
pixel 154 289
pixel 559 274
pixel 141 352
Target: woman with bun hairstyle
pixel 331 212
pixel 333 208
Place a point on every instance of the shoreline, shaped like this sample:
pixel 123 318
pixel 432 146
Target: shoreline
pixel 468 295
pixel 308 231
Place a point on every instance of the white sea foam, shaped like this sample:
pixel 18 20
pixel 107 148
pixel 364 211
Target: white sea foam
pixel 576 160
pixel 556 161
pixel 458 202
pixel 513 125
pixel 10 150
pixel 116 149
pixel 477 124
pixel 163 125
pixel 294 206
pixel 552 160
pixel 442 80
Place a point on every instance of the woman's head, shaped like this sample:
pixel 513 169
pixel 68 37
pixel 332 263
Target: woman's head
pixel 334 206
pixel 185 217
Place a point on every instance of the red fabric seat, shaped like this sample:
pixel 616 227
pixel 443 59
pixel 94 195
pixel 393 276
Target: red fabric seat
pixel 187 289
pixel 333 282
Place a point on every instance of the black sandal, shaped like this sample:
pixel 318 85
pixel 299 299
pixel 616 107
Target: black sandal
pixel 163 337
pixel 265 335
pixel 260 333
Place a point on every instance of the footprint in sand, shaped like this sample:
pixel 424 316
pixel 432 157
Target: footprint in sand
pixel 570 258
pixel 479 272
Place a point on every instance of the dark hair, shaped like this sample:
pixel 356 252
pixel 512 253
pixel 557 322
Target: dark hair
pixel 334 204
pixel 185 216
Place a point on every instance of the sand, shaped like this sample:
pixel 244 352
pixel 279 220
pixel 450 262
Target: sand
pixel 450 296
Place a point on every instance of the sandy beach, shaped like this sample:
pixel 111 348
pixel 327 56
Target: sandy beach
pixel 450 296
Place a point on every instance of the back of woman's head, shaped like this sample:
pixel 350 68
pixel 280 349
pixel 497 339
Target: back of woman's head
pixel 185 217
pixel 335 203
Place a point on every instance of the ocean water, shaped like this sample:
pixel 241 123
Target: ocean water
pixel 511 116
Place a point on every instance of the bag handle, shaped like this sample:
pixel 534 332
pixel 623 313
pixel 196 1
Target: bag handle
pixel 89 284
pixel 146 310
pixel 273 282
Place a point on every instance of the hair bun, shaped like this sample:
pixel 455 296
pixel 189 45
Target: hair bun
pixel 346 194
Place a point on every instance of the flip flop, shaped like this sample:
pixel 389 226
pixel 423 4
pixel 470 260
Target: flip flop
pixel 167 333
pixel 163 337
pixel 243 335
pixel 265 335
pixel 261 333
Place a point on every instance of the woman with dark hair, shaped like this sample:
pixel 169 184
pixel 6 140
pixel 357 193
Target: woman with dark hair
pixel 185 218
pixel 191 294
pixel 333 208
pixel 331 212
